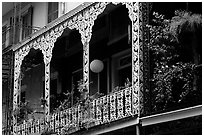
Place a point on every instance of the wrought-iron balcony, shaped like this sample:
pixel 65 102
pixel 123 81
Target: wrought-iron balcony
pixel 16 33
pixel 106 109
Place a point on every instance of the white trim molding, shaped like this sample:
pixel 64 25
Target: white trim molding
pixel 172 115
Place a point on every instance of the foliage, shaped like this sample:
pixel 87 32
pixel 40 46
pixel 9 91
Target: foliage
pixel 171 79
pixel 84 94
pixel 48 132
pixel 127 84
pixel 42 101
pixel 185 22
pixel 22 111
pixel 61 101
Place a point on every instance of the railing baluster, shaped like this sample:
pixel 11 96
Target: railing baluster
pixel 62 120
pixel 92 112
pixel 57 122
pixel 26 128
pixel 82 116
pixel 113 106
pixel 16 129
pixel 79 115
pixel 128 102
pixel 19 130
pixel 41 125
pixel 52 123
pixel 29 127
pixel 23 128
pixel 32 128
pixel 74 116
pixel 70 116
pixel 37 129
pixel 98 111
pixel 120 104
pixel 73 121
pixel 66 117
pixel 86 116
pixel 105 108
pixel 55 127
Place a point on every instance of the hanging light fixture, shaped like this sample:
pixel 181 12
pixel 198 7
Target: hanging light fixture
pixel 96 66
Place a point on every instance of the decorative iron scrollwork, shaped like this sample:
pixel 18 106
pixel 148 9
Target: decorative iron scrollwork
pixel 83 22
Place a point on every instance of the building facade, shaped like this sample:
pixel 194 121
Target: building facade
pixel 87 68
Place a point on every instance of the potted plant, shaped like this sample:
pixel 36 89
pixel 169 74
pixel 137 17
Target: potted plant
pixel 84 94
pixel 22 112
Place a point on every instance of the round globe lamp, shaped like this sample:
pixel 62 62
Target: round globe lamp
pixel 96 66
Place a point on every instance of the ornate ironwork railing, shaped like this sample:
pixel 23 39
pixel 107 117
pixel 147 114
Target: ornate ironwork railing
pixel 106 109
pixel 16 33
pixel 7 130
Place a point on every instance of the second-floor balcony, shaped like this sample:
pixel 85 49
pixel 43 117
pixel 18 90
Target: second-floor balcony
pixel 84 115
pixel 161 86
pixel 16 33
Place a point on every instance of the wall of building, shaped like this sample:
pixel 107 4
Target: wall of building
pixel 41 9
pixel 5 89
pixel 39 14
pixel 71 5
pixel 7 16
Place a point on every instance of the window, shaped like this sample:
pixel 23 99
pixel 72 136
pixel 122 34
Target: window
pixel 17 30
pixel 27 23
pixel 52 11
pixel 99 82
pixel 53 87
pixel 121 68
pixel 3 36
pixel 118 24
pixel 62 8
pixel 103 78
pixel 124 70
pixel 23 94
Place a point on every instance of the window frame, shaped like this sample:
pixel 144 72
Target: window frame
pixel 26 16
pixel 52 12
pixel 4 33
pixel 115 66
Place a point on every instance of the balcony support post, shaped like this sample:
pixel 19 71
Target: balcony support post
pixel 19 56
pixel 137 130
pixel 138 14
pixel 134 10
pixel 85 25
pixel 46 44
